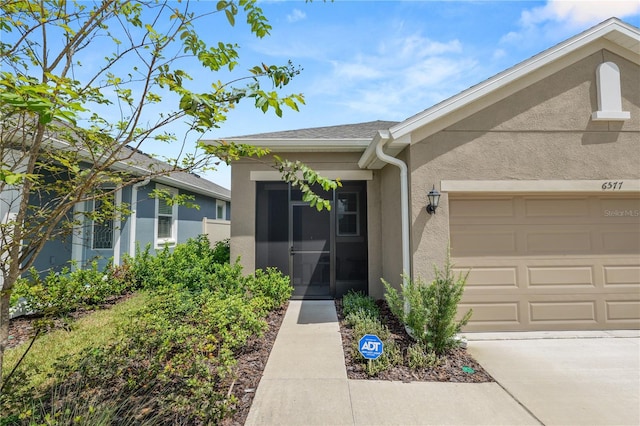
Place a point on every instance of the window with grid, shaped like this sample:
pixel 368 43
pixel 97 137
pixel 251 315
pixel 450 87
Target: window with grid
pixel 348 217
pixel 102 228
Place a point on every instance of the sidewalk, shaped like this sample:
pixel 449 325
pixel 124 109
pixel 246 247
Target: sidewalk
pixel 305 383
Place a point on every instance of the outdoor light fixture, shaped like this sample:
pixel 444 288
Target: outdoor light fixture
pixel 434 199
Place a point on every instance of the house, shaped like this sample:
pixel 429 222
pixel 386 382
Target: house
pixel 538 171
pixel 151 221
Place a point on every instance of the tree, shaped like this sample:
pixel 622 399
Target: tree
pixel 86 84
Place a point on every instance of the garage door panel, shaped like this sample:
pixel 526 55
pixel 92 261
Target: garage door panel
pixel 502 315
pixel 484 278
pixel 622 311
pixel 556 264
pixel 546 241
pixel 568 311
pixel 622 242
pixel 478 242
pixel 623 275
pixel 482 208
pixel 568 277
pixel 555 208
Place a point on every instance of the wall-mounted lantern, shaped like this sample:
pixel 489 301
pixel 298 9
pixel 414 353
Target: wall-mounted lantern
pixel 434 200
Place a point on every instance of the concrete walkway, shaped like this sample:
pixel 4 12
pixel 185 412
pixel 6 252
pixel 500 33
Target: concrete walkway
pixel 305 383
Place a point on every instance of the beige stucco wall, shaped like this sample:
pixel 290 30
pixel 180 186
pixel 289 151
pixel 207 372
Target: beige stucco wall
pixel 543 132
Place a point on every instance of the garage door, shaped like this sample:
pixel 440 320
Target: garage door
pixel 547 263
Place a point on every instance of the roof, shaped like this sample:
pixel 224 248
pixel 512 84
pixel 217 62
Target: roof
pixel 138 163
pixel 340 138
pixel 182 180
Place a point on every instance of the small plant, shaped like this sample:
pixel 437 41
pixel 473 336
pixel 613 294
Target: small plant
pixel 354 302
pixel 429 311
pixel 418 357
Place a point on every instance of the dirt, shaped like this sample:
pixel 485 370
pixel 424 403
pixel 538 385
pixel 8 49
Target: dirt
pixel 252 361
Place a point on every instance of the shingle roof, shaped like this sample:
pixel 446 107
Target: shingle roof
pixel 345 131
pixel 186 180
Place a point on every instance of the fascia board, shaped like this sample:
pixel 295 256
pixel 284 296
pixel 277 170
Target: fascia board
pixel 303 145
pixel 620 34
pixel 369 154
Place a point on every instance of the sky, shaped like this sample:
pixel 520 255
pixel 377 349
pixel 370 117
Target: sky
pixel 388 60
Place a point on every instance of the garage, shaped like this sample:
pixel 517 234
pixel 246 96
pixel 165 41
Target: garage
pixel 548 262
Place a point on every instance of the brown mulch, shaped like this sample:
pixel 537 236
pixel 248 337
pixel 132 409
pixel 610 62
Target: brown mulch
pixel 253 359
pixel 449 368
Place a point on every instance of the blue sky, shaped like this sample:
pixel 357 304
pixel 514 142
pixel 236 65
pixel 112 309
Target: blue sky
pixel 368 60
pixel 388 60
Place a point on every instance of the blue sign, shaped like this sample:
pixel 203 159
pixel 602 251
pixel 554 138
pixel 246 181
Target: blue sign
pixel 370 346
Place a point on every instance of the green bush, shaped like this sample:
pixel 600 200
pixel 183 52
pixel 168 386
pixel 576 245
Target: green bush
pixel 431 308
pixel 57 294
pixel 354 302
pixel 222 251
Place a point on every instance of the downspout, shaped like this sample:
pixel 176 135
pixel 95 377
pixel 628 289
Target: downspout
pixel 404 207
pixel 134 215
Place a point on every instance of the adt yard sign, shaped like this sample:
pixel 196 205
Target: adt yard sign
pixel 370 346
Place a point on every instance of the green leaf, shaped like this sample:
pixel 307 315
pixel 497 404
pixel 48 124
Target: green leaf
pixel 230 17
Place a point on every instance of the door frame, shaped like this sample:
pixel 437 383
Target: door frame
pixel 331 252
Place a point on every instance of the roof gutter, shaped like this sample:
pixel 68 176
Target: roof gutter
pixel 383 137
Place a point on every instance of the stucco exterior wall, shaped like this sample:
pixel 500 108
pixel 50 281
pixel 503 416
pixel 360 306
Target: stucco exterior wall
pixel 543 132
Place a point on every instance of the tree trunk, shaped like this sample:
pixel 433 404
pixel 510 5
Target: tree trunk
pixel 4 324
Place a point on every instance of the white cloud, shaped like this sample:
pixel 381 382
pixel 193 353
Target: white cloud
pixel 580 12
pixel 560 18
pixel 401 76
pixel 296 15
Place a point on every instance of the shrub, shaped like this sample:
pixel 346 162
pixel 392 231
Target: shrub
pixel 222 251
pixel 431 308
pixel 354 302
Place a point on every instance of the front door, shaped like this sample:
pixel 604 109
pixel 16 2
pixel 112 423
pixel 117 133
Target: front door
pixel 310 255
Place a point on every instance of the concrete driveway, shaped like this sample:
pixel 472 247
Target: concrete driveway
pixel 566 378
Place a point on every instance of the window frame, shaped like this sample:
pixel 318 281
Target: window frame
pixel 173 238
pixel 93 224
pixel 355 213
pixel 221 204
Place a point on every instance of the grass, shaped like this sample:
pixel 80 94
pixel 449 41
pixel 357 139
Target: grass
pixel 94 330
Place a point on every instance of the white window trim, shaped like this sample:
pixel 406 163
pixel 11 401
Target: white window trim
pixel 223 204
pixel 161 242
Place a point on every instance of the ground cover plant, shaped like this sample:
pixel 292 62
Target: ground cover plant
pixel 173 361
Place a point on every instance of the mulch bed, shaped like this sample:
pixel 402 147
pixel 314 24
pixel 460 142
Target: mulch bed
pixel 449 369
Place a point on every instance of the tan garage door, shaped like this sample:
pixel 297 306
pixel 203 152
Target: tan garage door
pixel 548 263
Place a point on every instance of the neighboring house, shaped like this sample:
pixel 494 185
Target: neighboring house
pixel 538 169
pixel 152 221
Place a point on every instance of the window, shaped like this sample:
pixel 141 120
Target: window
pixel 221 210
pixel 102 227
pixel 348 214
pixel 166 215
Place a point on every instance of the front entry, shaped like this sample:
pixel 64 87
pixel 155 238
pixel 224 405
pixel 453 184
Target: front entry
pixel 323 252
